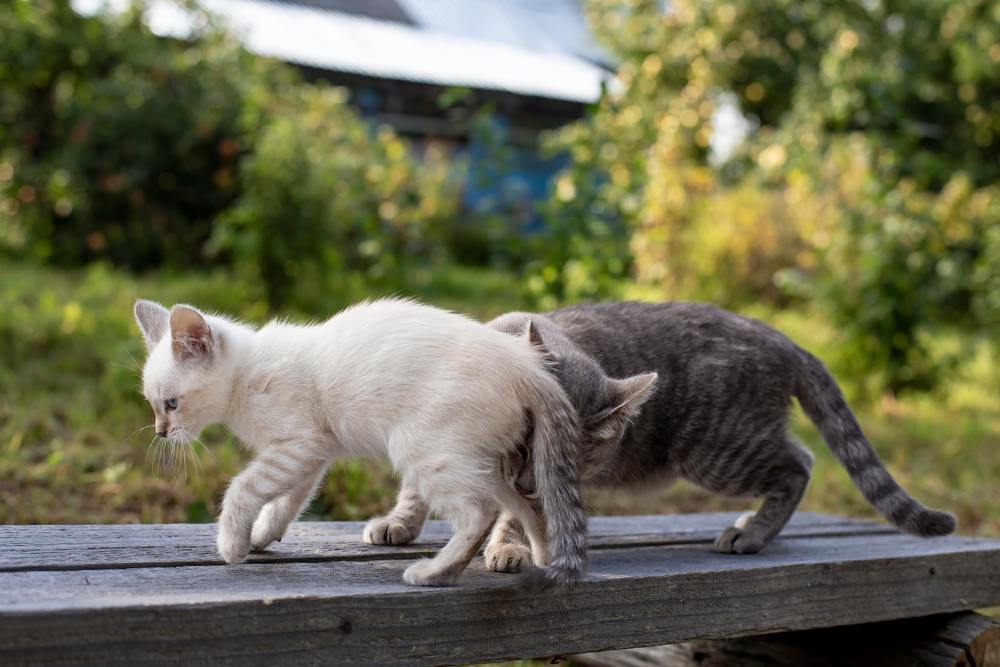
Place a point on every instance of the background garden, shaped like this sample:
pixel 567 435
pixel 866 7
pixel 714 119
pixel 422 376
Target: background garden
pixel 861 215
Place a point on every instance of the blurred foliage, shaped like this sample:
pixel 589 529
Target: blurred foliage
pixel 866 183
pixel 492 232
pixel 114 143
pixel 119 145
pixel 325 200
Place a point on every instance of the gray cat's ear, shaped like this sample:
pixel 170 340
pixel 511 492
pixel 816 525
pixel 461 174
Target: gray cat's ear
pixel 535 340
pixel 153 320
pixel 629 396
pixel 190 333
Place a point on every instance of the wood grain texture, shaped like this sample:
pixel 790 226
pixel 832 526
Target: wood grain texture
pixel 115 546
pixel 964 639
pixel 358 612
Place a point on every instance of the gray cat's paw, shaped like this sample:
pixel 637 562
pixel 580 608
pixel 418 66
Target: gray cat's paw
pixel 734 541
pixel 506 557
pixel 425 573
pixel 388 530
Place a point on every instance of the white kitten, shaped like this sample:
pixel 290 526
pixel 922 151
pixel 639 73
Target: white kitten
pixel 444 397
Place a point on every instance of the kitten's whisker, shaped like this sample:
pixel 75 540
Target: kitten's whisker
pixel 161 455
pixel 158 454
pixel 137 367
pixel 189 455
pixel 198 441
pixel 190 452
pixel 120 365
pixel 175 468
pixel 149 449
pixel 141 428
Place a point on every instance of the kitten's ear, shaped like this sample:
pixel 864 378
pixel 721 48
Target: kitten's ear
pixel 535 340
pixel 153 319
pixel 629 396
pixel 190 333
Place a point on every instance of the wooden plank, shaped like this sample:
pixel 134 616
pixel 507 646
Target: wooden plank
pixel 948 640
pixel 359 613
pixel 100 546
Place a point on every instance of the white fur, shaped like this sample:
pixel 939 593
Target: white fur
pixel 442 396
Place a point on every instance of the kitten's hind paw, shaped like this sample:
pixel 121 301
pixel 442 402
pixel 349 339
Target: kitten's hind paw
pixel 734 540
pixel 425 573
pixel 388 530
pixel 506 557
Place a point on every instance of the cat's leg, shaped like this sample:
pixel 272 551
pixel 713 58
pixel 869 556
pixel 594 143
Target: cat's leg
pixel 275 472
pixel 508 545
pixel 277 515
pixel 529 519
pixel 471 522
pixel 403 524
pixel 782 484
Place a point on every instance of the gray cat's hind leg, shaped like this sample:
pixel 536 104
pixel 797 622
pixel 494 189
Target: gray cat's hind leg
pixel 508 546
pixel 782 486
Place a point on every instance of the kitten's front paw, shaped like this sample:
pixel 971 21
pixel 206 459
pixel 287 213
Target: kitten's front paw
pixel 266 529
pixel 424 573
pixel 506 557
pixel 233 547
pixel 388 530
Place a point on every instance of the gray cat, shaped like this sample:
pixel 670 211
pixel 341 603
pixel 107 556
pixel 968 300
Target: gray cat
pixel 715 413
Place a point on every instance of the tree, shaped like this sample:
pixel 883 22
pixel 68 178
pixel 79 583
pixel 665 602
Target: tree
pixel 866 184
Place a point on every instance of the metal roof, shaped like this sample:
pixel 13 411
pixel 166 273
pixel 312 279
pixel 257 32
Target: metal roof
pixel 435 53
pixel 555 26
pixel 386 10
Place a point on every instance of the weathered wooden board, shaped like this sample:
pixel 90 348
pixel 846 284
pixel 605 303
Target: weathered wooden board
pixel 350 612
pixel 965 639
pixel 99 546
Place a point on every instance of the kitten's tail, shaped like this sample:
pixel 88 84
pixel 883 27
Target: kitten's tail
pixel 824 403
pixel 555 445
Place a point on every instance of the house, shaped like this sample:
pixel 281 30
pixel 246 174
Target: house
pixel 426 67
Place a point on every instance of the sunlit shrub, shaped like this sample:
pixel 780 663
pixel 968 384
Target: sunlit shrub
pixel 326 200
pixel 114 143
pixel 866 184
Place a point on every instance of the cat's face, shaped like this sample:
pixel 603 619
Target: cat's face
pixel 181 377
pixel 606 405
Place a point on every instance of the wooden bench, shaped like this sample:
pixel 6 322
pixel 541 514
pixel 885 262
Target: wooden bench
pixel 159 594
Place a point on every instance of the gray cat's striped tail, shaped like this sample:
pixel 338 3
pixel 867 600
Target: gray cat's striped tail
pixel 824 403
pixel 555 445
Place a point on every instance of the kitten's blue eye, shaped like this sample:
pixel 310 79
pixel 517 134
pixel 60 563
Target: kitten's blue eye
pixel 170 403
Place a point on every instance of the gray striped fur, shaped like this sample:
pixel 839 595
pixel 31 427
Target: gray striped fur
pixel 555 446
pixel 718 416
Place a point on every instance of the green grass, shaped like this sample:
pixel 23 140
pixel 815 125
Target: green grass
pixel 72 444
pixel 71 448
